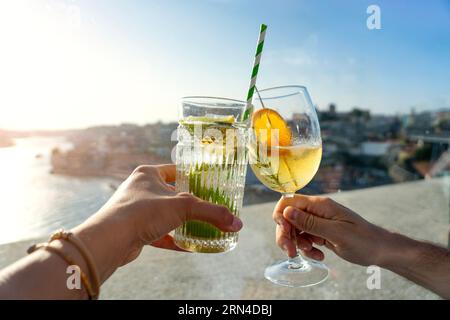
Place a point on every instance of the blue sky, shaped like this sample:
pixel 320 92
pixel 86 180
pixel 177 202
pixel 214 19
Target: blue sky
pixel 131 61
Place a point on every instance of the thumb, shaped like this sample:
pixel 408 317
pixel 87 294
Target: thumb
pixel 309 223
pixel 193 208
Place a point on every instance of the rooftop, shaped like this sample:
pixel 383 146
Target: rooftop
pixel 418 209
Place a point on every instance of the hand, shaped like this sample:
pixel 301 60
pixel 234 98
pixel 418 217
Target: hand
pixel 320 221
pixel 143 210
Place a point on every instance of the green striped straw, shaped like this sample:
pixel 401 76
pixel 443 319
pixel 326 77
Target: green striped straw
pixel 251 90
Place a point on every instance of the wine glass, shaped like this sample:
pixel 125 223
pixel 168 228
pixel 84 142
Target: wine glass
pixel 285 153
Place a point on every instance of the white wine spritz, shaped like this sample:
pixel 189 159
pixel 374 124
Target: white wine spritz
pixel 286 169
pixel 285 153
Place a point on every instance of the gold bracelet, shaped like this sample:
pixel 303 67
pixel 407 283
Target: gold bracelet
pixel 79 245
pixel 68 260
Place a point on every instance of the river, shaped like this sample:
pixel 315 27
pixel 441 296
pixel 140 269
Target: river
pixel 34 202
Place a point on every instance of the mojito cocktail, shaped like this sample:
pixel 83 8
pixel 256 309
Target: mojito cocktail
pixel 211 163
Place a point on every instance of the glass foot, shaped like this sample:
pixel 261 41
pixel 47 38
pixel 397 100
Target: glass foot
pixel 297 272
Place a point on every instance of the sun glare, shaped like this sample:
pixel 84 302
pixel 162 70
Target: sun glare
pixel 56 73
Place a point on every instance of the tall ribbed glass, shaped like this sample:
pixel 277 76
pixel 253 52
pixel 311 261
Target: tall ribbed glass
pixel 211 160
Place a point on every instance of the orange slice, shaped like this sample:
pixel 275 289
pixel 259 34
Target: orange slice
pixel 265 121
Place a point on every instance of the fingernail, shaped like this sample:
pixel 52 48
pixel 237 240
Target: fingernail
pixel 293 214
pixel 236 224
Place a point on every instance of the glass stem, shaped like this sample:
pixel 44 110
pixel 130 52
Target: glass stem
pixel 288 195
pixel 296 262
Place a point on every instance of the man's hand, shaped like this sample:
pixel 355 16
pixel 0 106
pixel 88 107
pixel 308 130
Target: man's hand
pixel 320 221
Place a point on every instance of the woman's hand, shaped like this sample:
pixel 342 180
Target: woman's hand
pixel 321 221
pixel 143 210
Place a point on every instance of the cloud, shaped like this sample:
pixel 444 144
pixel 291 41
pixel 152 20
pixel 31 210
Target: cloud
pixel 298 57
pixel 221 1
pixel 305 55
pixel 291 57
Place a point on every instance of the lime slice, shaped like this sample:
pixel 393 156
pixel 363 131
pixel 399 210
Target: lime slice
pixel 210 119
